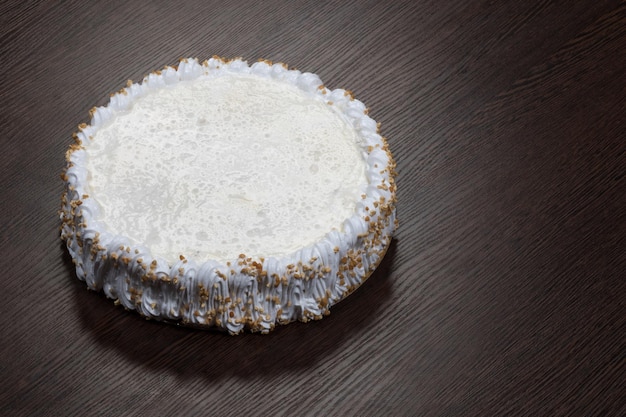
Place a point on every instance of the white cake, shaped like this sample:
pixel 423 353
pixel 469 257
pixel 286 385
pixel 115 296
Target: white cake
pixel 229 196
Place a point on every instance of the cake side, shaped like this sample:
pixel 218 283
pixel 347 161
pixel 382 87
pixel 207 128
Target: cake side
pixel 247 292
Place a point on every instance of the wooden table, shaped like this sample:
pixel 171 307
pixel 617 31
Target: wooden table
pixel 504 290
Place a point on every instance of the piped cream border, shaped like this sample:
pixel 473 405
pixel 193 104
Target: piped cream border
pixel 243 293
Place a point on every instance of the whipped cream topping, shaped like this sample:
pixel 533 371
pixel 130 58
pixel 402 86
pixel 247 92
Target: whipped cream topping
pixel 223 165
pixel 205 287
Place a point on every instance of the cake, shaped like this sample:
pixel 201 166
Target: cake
pixel 230 196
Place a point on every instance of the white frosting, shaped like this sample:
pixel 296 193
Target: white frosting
pixel 224 165
pixel 255 290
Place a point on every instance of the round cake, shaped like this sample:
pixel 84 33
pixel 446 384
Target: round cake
pixel 228 196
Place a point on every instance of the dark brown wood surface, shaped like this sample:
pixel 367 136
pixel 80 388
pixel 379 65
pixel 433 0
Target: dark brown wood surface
pixel 504 290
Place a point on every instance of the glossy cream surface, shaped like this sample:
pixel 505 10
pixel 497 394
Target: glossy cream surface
pixel 218 166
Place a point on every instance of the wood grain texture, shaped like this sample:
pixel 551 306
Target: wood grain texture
pixel 504 290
